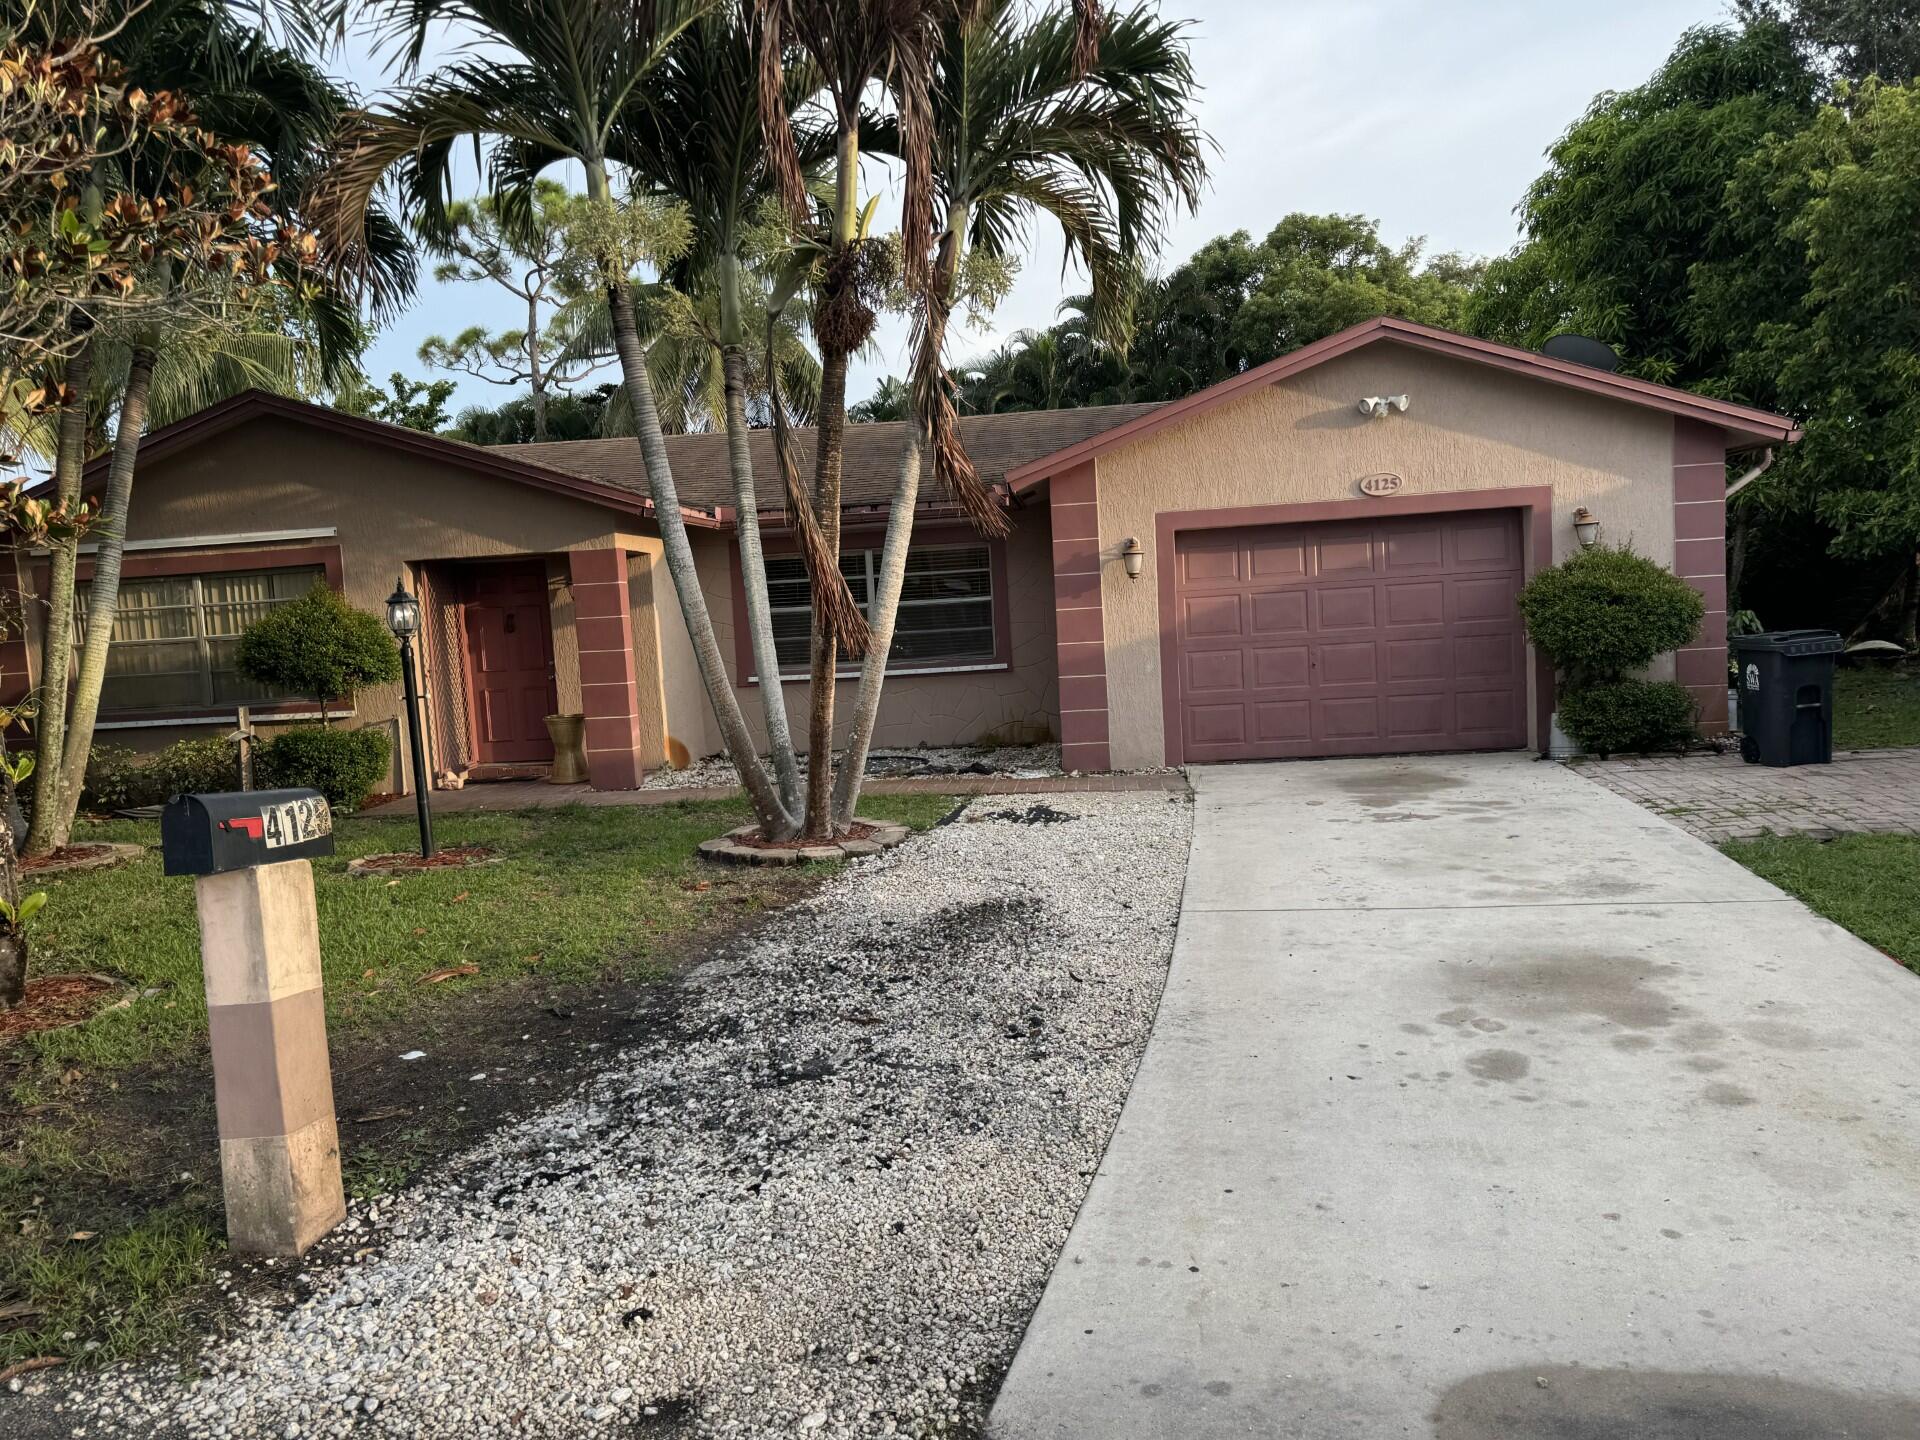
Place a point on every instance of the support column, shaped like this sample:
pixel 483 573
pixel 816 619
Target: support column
pixel 1079 628
pixel 267 1028
pixel 609 692
pixel 1700 558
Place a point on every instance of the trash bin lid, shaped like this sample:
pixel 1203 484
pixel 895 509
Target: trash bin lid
pixel 1792 642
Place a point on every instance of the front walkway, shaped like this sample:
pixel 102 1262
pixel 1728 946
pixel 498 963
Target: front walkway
pixel 1484 1104
pixel 1721 797
pixel 539 795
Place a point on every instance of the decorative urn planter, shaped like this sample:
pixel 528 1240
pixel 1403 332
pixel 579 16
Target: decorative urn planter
pixel 569 734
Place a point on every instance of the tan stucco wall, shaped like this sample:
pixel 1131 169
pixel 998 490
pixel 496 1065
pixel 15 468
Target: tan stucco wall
pixel 389 509
pixel 1017 704
pixel 1467 427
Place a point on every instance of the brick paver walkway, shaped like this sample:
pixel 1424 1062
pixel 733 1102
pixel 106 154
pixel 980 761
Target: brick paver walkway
pixel 538 795
pixel 1721 797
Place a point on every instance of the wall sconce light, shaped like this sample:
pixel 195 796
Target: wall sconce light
pixel 1376 406
pixel 1134 556
pixel 1586 525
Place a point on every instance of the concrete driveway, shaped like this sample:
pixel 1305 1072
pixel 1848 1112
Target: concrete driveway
pixel 1484 1104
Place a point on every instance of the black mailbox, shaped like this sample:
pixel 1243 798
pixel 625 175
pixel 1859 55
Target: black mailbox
pixel 212 834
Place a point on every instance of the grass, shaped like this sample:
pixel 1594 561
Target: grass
pixel 582 893
pixel 110 1225
pixel 1868 883
pixel 1875 708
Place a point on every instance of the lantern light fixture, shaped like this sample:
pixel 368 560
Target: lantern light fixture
pixel 1134 556
pixel 1586 527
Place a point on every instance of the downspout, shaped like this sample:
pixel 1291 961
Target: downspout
pixel 1766 464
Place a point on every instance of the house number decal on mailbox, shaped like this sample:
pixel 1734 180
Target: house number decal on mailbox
pixel 1384 483
pixel 293 822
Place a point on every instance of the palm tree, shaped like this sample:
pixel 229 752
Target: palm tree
pixel 550 81
pixel 1028 122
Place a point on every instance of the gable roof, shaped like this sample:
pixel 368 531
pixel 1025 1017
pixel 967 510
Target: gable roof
pixel 1745 427
pixel 485 460
pixel 998 444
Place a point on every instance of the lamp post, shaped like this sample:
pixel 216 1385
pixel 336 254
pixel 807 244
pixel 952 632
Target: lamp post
pixel 403 619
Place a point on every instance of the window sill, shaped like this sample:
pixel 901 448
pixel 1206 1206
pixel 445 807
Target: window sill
pixel 902 671
pixel 226 717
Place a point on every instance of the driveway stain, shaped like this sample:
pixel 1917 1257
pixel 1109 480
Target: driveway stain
pixel 1620 988
pixel 1575 1403
pixel 1731 1096
pixel 1505 1065
pixel 1395 785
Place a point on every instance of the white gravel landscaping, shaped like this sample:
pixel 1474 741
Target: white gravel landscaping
pixel 1020 761
pixel 822 1203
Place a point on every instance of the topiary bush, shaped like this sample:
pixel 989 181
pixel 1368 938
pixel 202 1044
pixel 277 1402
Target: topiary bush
pixel 343 765
pixel 1604 612
pixel 1630 716
pixel 319 647
pixel 121 779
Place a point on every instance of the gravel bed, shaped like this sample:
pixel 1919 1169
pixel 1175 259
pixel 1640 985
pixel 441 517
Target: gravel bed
pixel 1031 762
pixel 823 1205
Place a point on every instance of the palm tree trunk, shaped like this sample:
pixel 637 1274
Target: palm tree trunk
pixel 536 380
pixel 882 609
pixel 56 649
pixel 109 533
pixel 774 817
pixel 824 652
pixel 753 576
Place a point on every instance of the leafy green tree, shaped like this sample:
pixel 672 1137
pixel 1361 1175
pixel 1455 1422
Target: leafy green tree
pixel 318 647
pixel 416 404
pixel 1851 38
pixel 890 401
pixel 569 417
pixel 524 250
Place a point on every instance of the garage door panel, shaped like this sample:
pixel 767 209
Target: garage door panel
pixel 1279 612
pixel 1280 667
pixel 1351 639
pixel 1206 617
pixel 1346 608
pixel 1215 670
pixel 1416 602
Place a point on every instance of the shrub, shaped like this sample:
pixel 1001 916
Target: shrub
pixel 1604 612
pixel 120 779
pixel 318 646
pixel 1628 715
pixel 343 765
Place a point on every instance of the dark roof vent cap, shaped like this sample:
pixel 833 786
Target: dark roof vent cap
pixel 1582 350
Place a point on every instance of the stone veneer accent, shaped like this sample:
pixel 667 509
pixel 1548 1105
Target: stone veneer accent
pixel 1079 631
pixel 609 686
pixel 267 1029
pixel 1700 558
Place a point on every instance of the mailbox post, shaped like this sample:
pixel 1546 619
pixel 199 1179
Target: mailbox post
pixel 266 1020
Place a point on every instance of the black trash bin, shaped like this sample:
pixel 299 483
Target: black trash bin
pixel 1786 696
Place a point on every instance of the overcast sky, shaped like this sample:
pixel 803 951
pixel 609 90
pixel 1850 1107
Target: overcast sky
pixel 1431 118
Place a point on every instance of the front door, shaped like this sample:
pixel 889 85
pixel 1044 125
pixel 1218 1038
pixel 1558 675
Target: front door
pixel 509 641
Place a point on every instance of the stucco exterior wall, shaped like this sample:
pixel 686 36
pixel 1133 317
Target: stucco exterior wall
pixel 1017 704
pixel 1303 440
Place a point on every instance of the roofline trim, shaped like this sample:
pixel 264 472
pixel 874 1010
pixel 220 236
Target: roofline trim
pixel 1756 427
pixel 249 404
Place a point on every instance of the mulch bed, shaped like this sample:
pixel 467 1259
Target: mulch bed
pixel 94 856
pixel 859 830
pixel 53 1002
pixel 451 857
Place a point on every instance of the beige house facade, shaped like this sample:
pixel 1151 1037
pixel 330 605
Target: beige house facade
pixel 1319 557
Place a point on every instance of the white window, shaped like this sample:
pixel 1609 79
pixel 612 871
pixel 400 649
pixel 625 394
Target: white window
pixel 174 638
pixel 946 604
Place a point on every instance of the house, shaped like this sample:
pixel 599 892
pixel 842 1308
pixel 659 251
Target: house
pixel 1269 568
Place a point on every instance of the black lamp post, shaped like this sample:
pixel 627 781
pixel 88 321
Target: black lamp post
pixel 403 618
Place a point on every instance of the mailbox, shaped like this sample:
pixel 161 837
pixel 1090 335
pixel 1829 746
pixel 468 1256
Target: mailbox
pixel 212 834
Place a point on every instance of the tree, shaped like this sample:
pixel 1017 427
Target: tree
pixel 1033 117
pixel 525 252
pixel 889 401
pixel 318 647
pixel 547 82
pixel 416 404
pixel 569 417
pixel 1850 38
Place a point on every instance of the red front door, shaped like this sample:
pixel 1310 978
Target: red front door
pixel 509 637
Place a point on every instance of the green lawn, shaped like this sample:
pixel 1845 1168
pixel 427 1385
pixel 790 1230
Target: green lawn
pixel 580 893
pixel 1875 708
pixel 109 1186
pixel 1868 883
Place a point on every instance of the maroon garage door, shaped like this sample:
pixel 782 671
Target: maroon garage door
pixel 1351 637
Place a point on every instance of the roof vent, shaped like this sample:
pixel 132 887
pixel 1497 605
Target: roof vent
pixel 1580 350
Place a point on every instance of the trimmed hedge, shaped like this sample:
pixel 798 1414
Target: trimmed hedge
pixel 1604 612
pixel 319 647
pixel 1628 716
pixel 343 765
pixel 120 779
